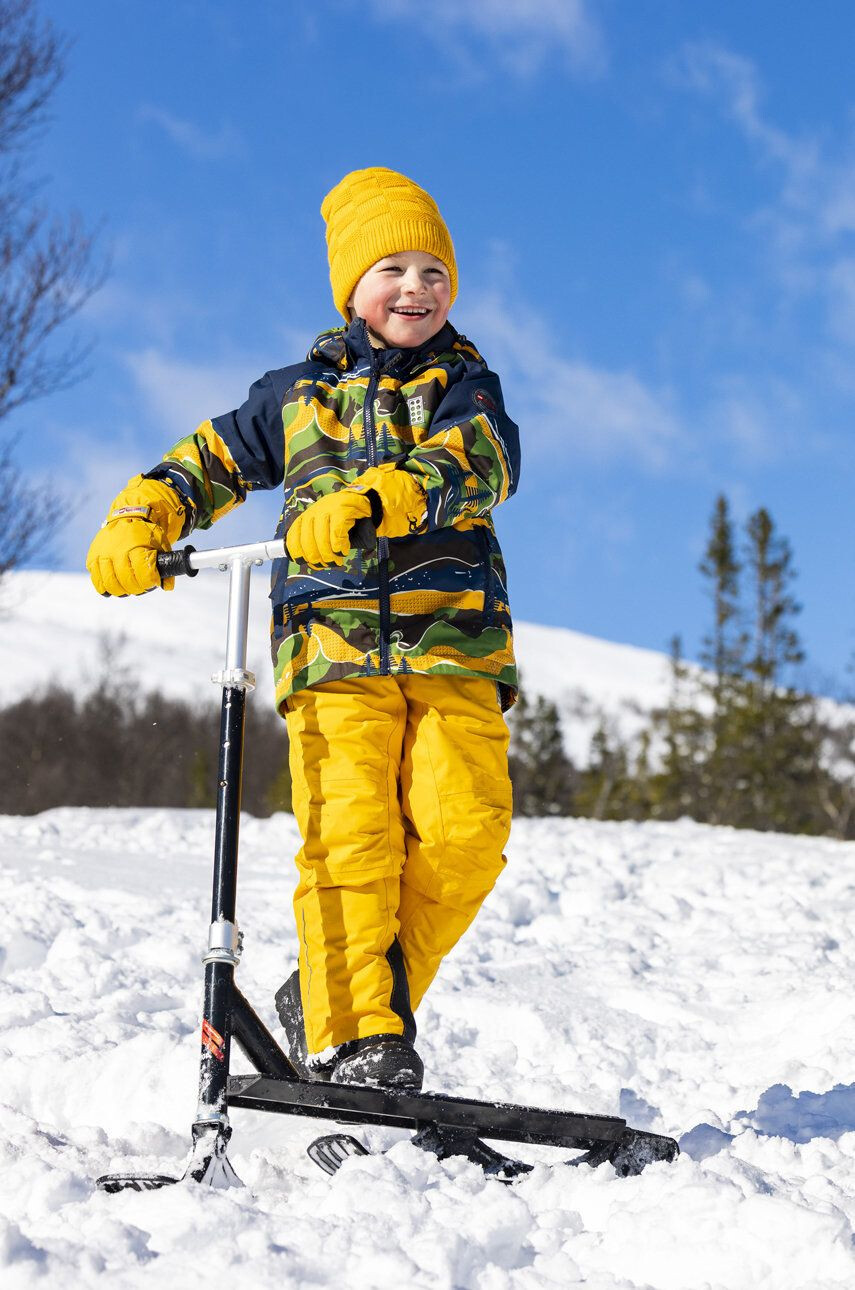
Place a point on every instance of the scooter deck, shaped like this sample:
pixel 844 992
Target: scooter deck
pixel 404 1109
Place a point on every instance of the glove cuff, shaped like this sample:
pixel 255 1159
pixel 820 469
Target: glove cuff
pixel 153 501
pixel 403 505
pixel 376 504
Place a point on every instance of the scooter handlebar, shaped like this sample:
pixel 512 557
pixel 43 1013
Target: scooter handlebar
pixel 172 564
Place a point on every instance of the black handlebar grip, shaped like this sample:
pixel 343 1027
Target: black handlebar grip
pixel 171 564
pixel 363 535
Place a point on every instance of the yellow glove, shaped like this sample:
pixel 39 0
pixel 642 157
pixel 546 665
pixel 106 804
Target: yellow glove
pixel 401 495
pixel 145 518
pixel 321 535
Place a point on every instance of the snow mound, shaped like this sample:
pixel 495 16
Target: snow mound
pixel 695 980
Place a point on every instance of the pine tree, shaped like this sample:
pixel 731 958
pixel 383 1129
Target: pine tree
pixel 723 656
pixel 541 772
pixel 776 643
pixel 742 746
pixel 681 787
pixel 601 793
pixel 723 647
pixel 772 725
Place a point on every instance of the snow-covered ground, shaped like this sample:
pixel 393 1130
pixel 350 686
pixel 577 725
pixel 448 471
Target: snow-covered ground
pixel 53 625
pixel 698 981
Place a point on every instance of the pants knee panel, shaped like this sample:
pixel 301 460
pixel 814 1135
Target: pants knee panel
pixel 459 861
pixel 349 833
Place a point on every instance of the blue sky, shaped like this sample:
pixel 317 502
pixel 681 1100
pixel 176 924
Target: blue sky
pixel 653 207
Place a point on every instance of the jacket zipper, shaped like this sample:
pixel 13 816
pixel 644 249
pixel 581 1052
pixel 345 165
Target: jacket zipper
pixel 382 543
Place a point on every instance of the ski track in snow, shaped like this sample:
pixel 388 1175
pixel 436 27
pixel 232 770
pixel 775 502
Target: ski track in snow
pixel 697 981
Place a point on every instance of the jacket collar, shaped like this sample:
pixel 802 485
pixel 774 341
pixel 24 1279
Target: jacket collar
pixel 345 346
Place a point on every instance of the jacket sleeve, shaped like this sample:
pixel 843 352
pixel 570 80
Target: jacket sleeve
pixel 470 461
pixel 228 456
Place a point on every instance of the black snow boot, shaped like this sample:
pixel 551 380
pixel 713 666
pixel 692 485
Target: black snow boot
pixel 289 1009
pixel 380 1059
pixel 385 1060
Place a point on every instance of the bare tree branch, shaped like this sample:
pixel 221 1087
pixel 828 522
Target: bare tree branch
pixel 46 275
pixel 29 516
pixel 31 66
pixel 47 270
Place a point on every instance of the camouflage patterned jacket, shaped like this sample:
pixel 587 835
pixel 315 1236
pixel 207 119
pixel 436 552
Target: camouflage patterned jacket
pixel 435 602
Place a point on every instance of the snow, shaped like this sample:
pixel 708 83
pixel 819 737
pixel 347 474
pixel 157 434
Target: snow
pixel 53 625
pixel 696 980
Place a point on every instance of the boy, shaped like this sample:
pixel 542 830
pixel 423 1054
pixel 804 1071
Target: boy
pixel 393 666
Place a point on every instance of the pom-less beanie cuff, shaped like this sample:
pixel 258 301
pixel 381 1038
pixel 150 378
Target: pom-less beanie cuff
pixel 376 212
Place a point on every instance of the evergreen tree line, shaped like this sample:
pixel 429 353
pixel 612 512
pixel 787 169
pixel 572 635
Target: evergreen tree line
pixel 739 742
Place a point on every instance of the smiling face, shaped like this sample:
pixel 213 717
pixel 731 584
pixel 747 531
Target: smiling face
pixel 404 299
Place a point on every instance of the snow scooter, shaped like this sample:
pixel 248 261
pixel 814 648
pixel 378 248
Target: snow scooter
pixel 446 1126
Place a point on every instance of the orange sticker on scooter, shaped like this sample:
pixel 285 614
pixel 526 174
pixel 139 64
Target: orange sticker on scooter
pixel 213 1040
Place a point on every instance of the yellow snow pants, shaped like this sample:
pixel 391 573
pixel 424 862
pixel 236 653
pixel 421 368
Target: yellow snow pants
pixel 402 797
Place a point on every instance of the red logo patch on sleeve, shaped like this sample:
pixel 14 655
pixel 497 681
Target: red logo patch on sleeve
pixel 483 399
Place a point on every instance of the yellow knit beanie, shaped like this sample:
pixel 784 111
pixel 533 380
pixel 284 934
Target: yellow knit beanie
pixel 376 212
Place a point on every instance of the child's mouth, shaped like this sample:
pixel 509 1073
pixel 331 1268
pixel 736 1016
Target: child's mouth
pixel 410 313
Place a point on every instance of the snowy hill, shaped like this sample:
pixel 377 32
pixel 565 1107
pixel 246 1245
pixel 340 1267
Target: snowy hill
pixel 52 626
pixel 697 981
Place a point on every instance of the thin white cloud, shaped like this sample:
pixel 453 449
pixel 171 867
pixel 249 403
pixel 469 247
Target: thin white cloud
pixel 520 36
pixel 162 315
pixel 201 144
pixel 732 80
pixel 615 415
pixel 567 402
pixel 805 227
pixel 740 415
pixel 181 394
pixel 838 208
pixel 101 467
pixel 173 397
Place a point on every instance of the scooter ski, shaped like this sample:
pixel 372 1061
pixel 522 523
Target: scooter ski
pixel 444 1125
